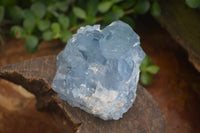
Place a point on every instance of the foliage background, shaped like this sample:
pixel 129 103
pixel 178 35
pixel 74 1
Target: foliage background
pixel 41 20
pixel 38 20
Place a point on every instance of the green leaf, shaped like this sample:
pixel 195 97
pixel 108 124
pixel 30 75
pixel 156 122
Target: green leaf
pixel 153 69
pixel 155 9
pixel 146 61
pixel 127 4
pixel 29 24
pixel 104 6
pixel 1 13
pixel 47 35
pixel 55 27
pixel 31 43
pixel 64 21
pixel 142 6
pixel 116 1
pixel 90 20
pixel 62 5
pixel 51 8
pixel 7 3
pixel 80 13
pixel 65 36
pixel 17 32
pixel 73 20
pixel 145 78
pixel 38 9
pixel 110 17
pixel 16 13
pixel 27 13
pixel 118 11
pixel 43 24
pixel 193 3
pixel 92 7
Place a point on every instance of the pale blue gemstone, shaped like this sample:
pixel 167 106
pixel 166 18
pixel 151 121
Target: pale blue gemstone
pixel 98 70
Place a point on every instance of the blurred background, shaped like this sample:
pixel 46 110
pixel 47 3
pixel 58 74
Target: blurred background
pixel 169 33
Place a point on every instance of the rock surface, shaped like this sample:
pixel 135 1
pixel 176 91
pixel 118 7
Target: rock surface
pixel 98 70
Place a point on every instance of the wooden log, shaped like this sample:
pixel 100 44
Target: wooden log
pixel 36 76
pixel 184 26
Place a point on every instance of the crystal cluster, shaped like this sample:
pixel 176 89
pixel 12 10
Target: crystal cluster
pixel 98 70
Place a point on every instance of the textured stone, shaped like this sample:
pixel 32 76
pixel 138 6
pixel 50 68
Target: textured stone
pixel 98 70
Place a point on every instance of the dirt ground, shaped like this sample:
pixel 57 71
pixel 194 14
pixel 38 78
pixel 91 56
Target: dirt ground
pixel 176 87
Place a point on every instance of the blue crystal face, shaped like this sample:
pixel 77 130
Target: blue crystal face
pixel 98 70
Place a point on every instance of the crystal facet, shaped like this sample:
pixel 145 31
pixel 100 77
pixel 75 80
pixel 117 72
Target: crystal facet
pixel 98 70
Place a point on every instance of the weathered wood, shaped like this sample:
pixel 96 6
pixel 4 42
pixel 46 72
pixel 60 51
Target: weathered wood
pixel 184 26
pixel 36 76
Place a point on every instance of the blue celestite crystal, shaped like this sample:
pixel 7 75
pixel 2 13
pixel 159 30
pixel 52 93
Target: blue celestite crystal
pixel 98 70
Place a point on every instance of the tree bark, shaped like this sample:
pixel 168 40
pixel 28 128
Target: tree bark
pixel 184 26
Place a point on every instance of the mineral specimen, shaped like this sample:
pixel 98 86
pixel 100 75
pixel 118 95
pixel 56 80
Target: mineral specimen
pixel 98 70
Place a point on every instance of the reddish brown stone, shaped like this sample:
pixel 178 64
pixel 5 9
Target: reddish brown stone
pixel 36 76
